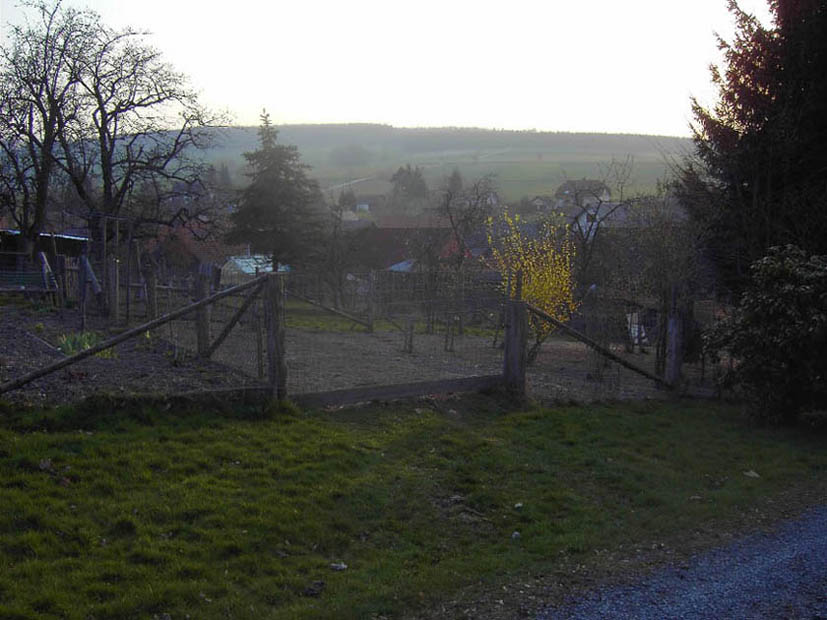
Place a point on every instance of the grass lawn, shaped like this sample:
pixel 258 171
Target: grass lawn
pixel 134 512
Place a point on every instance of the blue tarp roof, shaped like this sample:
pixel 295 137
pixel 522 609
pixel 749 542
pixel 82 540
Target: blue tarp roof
pixel 249 264
pixel 9 231
pixel 404 266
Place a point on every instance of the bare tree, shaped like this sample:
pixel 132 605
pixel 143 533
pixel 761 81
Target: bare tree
pixel 139 124
pixel 596 203
pixel 39 82
pixel 334 260
pixel 101 107
pixel 466 209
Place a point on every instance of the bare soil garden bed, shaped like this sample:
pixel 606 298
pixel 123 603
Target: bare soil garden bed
pixel 317 360
pixel 30 337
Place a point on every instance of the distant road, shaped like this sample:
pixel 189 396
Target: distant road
pixel 348 183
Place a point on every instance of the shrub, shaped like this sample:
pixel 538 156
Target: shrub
pixel 777 336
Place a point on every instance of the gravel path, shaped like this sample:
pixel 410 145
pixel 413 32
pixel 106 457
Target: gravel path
pixel 778 575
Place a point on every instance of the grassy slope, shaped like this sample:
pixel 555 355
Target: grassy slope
pixel 524 163
pixel 131 513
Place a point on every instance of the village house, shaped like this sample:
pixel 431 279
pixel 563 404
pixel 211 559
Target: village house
pixel 574 195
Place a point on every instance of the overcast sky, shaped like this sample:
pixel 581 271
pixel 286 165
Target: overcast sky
pixel 562 65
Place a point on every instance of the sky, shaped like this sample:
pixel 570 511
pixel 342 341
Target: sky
pixel 552 65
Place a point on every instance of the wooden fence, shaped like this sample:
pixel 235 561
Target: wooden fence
pixel 271 288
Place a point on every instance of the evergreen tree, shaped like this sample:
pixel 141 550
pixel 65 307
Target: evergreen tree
pixel 279 212
pixel 347 199
pixel 223 177
pixel 409 184
pixel 758 177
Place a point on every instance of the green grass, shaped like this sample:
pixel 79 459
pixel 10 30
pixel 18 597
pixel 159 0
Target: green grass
pixel 515 176
pixel 126 513
pixel 525 164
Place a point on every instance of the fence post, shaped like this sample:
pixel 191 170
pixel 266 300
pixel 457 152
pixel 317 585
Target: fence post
pixel 114 285
pixel 409 335
pixel 104 275
pixel 151 284
pixel 674 342
pixel 128 292
pixel 82 290
pixel 371 299
pixel 202 316
pixel 61 274
pixel 516 339
pixel 273 302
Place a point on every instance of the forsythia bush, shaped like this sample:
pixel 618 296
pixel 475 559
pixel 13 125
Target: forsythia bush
pixel 546 263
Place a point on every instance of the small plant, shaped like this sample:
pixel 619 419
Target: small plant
pixel 39 327
pixel 75 342
pixel 39 306
pixel 144 342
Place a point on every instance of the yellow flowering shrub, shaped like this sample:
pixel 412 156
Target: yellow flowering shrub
pixel 546 262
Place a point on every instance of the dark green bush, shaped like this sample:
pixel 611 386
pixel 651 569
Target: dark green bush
pixel 777 336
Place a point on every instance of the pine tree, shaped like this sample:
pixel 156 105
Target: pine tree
pixel 279 212
pixel 758 178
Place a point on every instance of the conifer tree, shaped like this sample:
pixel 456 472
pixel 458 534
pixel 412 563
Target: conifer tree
pixel 758 176
pixel 279 212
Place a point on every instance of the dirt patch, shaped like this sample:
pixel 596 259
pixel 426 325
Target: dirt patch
pixel 317 361
pixel 30 339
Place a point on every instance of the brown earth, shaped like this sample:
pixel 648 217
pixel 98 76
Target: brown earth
pixel 30 338
pixel 163 363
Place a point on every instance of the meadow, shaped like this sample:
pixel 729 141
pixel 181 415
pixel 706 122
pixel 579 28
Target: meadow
pixel 143 509
pixel 524 163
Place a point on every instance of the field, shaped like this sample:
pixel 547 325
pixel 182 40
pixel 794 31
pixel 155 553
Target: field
pixel 524 163
pixel 142 510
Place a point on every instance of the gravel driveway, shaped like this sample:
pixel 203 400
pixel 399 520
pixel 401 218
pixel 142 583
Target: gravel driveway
pixel 778 575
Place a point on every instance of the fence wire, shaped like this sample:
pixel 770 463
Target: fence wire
pixel 380 329
pixel 375 329
pixel 567 369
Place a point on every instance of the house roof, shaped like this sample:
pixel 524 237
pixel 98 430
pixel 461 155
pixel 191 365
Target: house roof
pixel 580 187
pixel 611 214
pixel 187 240
pixel 426 221
pixel 378 248
pixel 9 231
pixel 249 265
pixel 405 266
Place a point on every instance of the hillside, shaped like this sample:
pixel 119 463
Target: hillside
pixel 526 163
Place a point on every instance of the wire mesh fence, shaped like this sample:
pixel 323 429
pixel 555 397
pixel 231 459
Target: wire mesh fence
pixel 379 329
pixel 392 328
pixel 374 329
pixel 565 368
